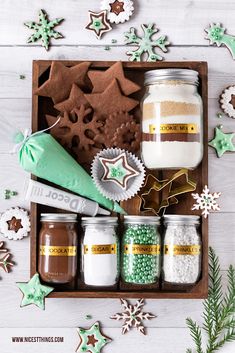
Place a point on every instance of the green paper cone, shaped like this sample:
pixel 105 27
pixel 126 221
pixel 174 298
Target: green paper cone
pixel 44 157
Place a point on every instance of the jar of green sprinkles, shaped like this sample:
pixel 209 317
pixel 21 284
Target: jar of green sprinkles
pixel 141 245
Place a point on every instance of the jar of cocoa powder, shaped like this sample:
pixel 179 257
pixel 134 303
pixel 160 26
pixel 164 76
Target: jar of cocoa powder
pixel 57 257
pixel 172 120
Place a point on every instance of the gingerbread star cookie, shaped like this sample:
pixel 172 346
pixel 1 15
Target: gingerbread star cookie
pixel 61 79
pixel 75 100
pixel 98 23
pixel 101 79
pixel 118 170
pixel 92 340
pixel 110 101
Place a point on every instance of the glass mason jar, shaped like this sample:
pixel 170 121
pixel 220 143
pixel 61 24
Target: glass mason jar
pixel 100 251
pixel 172 120
pixel 182 249
pixel 57 257
pixel 141 250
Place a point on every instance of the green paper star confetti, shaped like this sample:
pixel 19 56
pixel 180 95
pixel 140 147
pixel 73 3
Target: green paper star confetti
pixel 92 340
pixel 216 35
pixel 222 142
pixel 34 292
pixel 145 44
pixel 44 29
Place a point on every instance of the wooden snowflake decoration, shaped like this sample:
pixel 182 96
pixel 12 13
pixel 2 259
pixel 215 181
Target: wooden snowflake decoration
pixel 206 201
pixel 133 316
pixel 44 30
pixel 145 44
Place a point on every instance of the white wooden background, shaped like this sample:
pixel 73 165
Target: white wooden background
pixel 183 21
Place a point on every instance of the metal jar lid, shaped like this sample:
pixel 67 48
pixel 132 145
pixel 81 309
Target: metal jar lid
pixel 99 220
pixel 181 219
pixel 141 220
pixel 187 75
pixel 58 217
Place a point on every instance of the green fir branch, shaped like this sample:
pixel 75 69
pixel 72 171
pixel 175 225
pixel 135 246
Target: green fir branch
pixel 196 334
pixel 219 310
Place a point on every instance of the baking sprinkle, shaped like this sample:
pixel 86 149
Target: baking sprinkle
pixel 141 268
pixel 178 268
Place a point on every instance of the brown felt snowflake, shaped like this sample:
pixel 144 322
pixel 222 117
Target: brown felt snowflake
pixel 133 316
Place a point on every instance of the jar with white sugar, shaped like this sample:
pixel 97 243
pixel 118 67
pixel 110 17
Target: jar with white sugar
pixel 100 251
pixel 172 120
pixel 182 249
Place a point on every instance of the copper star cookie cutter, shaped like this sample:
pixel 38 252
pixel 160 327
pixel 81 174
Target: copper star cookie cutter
pixel 153 185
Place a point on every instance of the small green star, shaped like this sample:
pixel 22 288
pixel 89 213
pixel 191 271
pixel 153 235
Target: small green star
pixel 44 29
pixel 222 142
pixel 34 292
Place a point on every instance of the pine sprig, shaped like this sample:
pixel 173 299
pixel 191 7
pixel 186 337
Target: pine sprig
pixel 219 310
pixel 196 334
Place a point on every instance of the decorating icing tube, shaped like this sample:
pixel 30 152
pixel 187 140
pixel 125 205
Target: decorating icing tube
pixel 49 196
pixel 41 155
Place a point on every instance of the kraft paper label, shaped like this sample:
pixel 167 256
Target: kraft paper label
pixel 100 249
pixel 182 250
pixel 138 249
pixel 173 129
pixel 46 250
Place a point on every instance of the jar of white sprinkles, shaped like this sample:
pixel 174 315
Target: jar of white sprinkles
pixel 182 249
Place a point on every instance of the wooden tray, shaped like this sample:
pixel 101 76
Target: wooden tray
pixel 134 71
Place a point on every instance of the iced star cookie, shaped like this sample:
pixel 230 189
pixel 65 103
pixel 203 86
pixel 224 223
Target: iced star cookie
pixel 92 340
pixel 34 292
pixel 98 23
pixel 118 174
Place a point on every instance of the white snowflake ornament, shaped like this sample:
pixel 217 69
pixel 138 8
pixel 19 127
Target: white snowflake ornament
pixel 133 316
pixel 206 201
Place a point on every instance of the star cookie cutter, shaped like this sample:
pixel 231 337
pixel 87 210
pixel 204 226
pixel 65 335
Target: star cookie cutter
pixel 153 185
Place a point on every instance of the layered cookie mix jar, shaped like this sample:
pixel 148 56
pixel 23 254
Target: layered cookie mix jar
pixel 182 249
pixel 100 251
pixel 172 120
pixel 141 250
pixel 57 262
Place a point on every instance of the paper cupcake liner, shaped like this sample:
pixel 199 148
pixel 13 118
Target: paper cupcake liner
pixel 108 188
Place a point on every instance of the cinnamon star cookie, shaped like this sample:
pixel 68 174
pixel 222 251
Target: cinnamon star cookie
pixel 61 79
pixel 101 79
pixel 75 100
pixel 110 101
